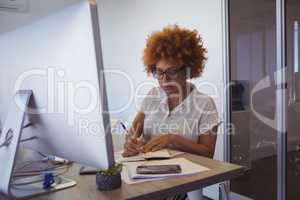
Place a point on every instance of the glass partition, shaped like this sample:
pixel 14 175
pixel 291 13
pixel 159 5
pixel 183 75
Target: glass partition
pixel 252 67
pixel 293 99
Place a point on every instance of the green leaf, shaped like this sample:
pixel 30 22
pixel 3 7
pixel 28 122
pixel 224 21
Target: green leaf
pixel 117 168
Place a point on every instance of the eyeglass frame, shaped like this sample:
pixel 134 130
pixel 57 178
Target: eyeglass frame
pixel 165 73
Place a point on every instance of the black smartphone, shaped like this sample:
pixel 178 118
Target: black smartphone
pixel 158 169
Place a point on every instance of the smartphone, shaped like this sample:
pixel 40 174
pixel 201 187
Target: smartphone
pixel 158 169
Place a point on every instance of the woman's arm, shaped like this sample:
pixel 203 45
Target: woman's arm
pixel 136 128
pixel 205 146
pixel 132 143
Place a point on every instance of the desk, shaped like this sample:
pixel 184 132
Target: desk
pixel 86 188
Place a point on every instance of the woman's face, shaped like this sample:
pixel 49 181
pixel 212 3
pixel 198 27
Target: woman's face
pixel 171 76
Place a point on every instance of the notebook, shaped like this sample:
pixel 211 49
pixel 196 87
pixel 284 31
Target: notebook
pixel 161 154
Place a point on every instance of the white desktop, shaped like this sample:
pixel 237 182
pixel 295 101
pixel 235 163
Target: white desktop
pixel 55 65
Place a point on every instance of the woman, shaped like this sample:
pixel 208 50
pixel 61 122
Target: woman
pixel 175 114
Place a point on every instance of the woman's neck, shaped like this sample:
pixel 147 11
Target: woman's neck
pixel 175 99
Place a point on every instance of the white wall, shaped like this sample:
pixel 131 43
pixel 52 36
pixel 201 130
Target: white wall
pixel 35 10
pixel 125 26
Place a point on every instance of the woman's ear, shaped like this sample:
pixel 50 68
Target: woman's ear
pixel 188 73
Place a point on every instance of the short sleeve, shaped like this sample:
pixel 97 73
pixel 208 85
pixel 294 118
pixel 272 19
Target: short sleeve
pixel 149 100
pixel 209 117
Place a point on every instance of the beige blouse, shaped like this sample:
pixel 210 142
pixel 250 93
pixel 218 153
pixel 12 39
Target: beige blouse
pixel 195 115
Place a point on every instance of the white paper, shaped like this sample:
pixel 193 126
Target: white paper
pixel 164 153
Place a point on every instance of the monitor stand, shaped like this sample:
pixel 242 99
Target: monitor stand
pixel 10 140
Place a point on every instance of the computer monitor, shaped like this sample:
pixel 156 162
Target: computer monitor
pixel 58 57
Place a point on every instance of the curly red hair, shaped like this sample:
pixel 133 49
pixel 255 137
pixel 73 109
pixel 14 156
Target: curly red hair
pixel 179 45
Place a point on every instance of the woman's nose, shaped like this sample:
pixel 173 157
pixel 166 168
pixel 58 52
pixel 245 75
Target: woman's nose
pixel 165 78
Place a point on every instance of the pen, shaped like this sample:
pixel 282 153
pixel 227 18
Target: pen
pixel 124 127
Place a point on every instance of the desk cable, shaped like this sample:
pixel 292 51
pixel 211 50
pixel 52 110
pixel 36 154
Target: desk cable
pixel 47 176
pixel 8 138
pixel 10 134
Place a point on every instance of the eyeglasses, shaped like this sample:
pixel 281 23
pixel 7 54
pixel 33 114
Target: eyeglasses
pixel 171 73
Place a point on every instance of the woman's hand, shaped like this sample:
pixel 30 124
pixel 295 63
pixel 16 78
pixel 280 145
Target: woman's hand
pixel 132 147
pixel 158 143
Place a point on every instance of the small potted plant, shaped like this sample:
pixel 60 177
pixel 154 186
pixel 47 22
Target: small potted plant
pixel 109 179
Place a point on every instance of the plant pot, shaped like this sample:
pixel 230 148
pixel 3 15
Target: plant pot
pixel 108 182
